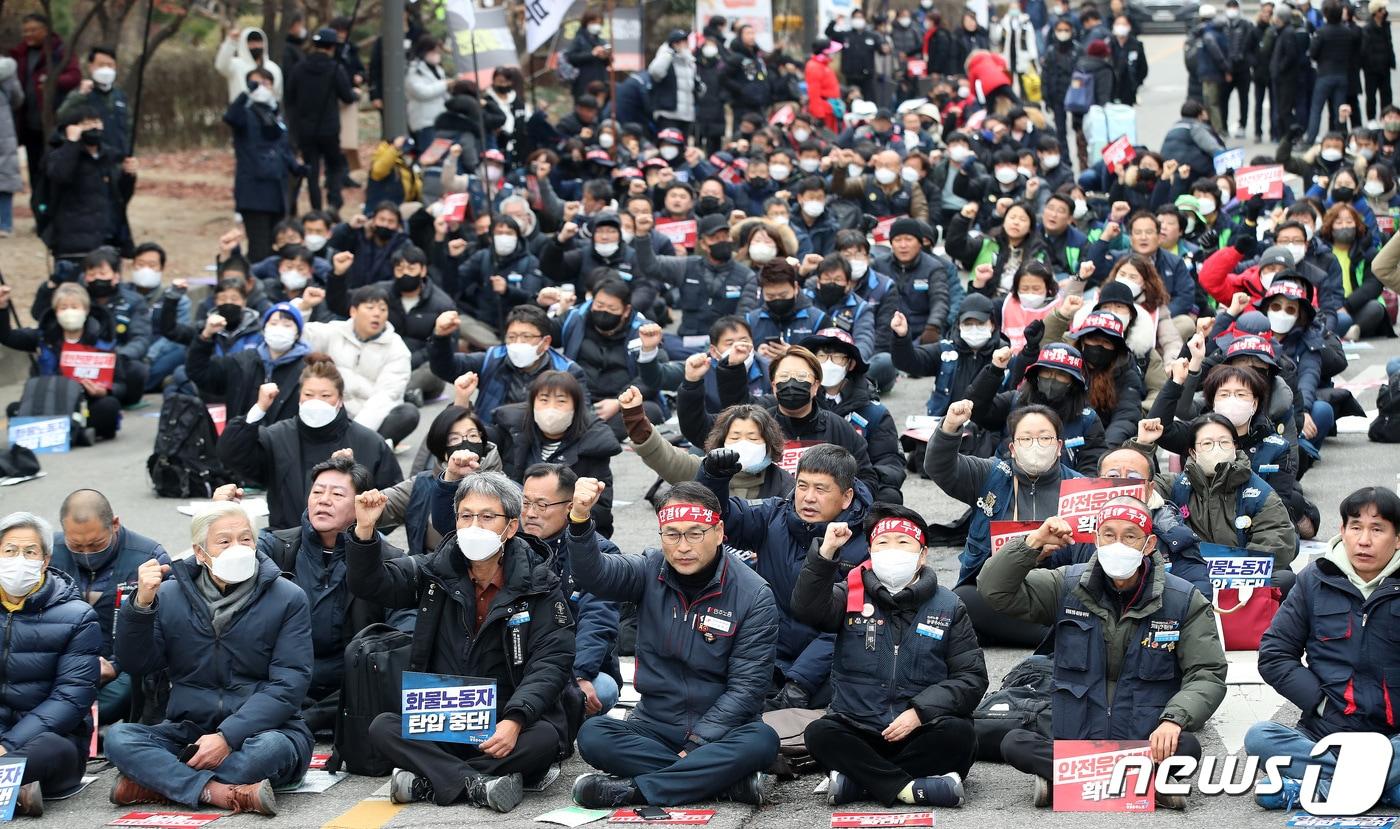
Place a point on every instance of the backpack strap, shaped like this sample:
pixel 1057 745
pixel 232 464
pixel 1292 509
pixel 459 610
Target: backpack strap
pixel 424 632
pixel 284 552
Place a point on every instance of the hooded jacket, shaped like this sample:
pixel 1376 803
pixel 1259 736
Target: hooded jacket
pixel 249 678
pixel 234 62
pixel 375 371
pixel 263 158
pixel 589 453
pixel 315 88
pixel 781 538
pixel 236 377
pixel 51 667
pixel 533 680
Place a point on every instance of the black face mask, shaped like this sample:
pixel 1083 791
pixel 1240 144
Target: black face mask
pixel 1343 194
pixel 1051 389
pixel 230 312
pixel 604 320
pixel 758 183
pixel 781 308
pixel 407 284
pixel 1344 235
pixel 92 138
pixel 1147 178
pixel 707 205
pixel 721 251
pixel 478 449
pixel 1099 356
pixel 502 90
pixel 256 53
pixel 794 394
pixel 830 294
pixel 101 288
pixel 384 234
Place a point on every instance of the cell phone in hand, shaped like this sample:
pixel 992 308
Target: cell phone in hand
pixel 190 751
pixel 652 813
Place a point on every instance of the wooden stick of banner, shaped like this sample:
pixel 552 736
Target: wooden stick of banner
pixel 612 74
pixel 487 185
pixel 140 79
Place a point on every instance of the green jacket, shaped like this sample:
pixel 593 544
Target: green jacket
pixel 1211 512
pixel 674 465
pixel 1012 584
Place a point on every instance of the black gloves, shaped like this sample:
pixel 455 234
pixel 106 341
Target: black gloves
pixel 1245 242
pixel 722 463
pixel 1253 207
pixel 1034 333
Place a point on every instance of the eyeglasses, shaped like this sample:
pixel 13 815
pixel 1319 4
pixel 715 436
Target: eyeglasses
pixel 33 553
pixel 541 505
pixel 1223 443
pixel 692 536
pixel 1043 441
pixel 469 518
pixel 524 338
pixel 833 356
pixel 457 440
pixel 783 377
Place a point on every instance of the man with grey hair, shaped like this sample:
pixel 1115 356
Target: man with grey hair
pixel 489 605
pixel 49 664
pixel 103 556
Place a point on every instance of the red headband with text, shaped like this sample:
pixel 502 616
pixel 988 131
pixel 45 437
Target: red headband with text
pixel 898 525
pixel 1126 512
pixel 673 513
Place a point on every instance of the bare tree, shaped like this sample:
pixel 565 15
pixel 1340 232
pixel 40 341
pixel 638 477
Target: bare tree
pixel 50 90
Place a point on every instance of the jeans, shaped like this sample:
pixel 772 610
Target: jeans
pixel 1324 419
pixel 606 689
pixel 1330 91
pixel 7 211
pixel 882 371
pixel 648 752
pixel 1267 739
pixel 149 754
pixel 1392 366
pixel 164 356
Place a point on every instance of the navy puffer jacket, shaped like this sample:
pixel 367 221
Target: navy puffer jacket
pixel 50 665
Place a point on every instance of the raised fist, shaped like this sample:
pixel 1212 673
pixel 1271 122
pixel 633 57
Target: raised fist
pixel 267 393
pixel 959 412
pixel 650 334
pixel 1001 358
pixel 697 366
pixel 722 463
pixel 899 324
pixel 1149 430
pixel 446 324
pixel 837 534
pixel 587 491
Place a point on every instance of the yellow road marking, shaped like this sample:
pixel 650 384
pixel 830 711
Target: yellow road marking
pixel 367 814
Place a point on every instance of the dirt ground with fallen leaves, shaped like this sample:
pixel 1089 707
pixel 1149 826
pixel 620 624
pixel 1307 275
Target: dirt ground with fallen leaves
pixel 183 201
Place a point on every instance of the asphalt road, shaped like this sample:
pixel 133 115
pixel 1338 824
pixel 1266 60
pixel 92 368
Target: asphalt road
pixel 997 795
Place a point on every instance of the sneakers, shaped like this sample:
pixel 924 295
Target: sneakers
pixel 841 790
pixel 1238 133
pixel 31 800
pixel 601 791
pixel 256 798
pixel 499 794
pixel 943 790
pixel 127 792
pixel 1042 793
pixel 407 787
pixel 1284 798
pixel 749 790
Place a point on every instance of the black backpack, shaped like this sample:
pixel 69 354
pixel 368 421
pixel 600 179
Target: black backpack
pixel 1022 702
pixel 183 464
pixel 1386 427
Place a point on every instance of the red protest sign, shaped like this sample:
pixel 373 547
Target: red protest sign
pixel 782 116
pixel 318 761
pixel 435 151
pixel 1265 180
pixel 92 745
pixel 1117 155
pixel 1385 224
pixel 793 451
pixel 165 820
pixel 1082 498
pixel 882 229
pixel 916 68
pixel 676 817
pixel 218 412
pixel 1084 769
pixel 81 362
pixel 859 820
pixel 1004 532
pixel 681 232
pixel 454 207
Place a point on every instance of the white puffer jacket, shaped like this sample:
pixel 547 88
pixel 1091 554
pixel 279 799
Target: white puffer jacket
pixel 375 371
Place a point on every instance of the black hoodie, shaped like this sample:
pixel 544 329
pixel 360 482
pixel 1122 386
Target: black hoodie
pixel 313 88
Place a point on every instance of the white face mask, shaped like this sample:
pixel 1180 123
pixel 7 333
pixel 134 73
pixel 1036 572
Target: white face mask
pixel 885 175
pixel 554 421
pixel 1207 206
pixel 595 28
pixel 1006 175
pixel 316 413
pixel 19 576
pixel 808 165
pixel 293 280
pixel 859 267
pixel 1374 188
pixel 1211 460
pixel 104 76
pixel 909 174
pixel 958 153
pixel 1240 412
pixel 1063 36
pixel 1037 460
pixel 1281 322
pixel 606 140
pixel 262 95
pixel 761 253
pixel 627 237
pixel 1232 13
pixel 1032 301
pixel 71 319
pixel 235 564
pixel 975 336
pixel 1081 208
pixel 1135 287
pixel 670 151
pixel 858 23
pixel 1331 154
pixel 522 355
pixel 709 50
pixel 1298 251
pixel 314 242
pixel 854 170
pixel 832 374
pixel 813 208
pixel 279 337
pixel 779 172
pixel 752 455
pixel 605 249
pixel 1025 171
pixel 1121 31
pixel 1118 560
pixel 1049 162
pixel 477 543
pixel 493 173
pixel 894 567
pixel 504 243
pixel 147 278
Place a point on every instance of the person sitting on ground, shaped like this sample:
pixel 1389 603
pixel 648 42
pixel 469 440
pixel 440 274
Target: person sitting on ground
pixel 906 736
pixel 235 638
pixel 238 377
pixel 52 651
